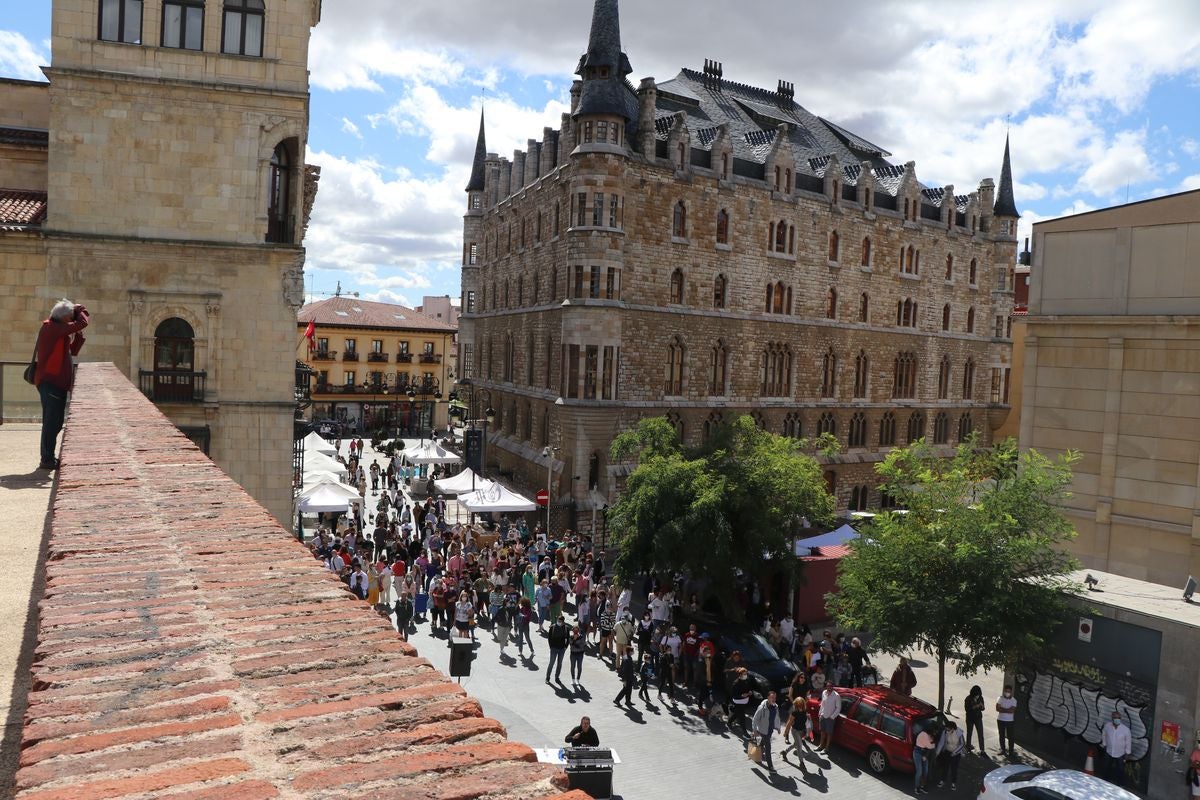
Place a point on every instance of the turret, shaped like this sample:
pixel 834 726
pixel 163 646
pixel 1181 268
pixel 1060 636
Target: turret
pixel 605 99
pixel 475 186
pixel 1005 210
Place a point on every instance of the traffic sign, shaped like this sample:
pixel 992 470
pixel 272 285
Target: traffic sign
pixel 543 498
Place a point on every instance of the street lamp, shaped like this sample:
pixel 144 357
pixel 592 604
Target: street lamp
pixel 549 452
pixel 489 416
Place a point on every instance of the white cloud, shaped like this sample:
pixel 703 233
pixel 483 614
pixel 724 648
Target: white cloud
pixel 1191 147
pixel 1117 164
pixel 1189 183
pixel 349 127
pixel 19 58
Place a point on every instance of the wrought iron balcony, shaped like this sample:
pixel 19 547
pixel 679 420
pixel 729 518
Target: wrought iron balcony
pixel 323 355
pixel 350 355
pixel 404 358
pixel 164 386
pixel 431 358
pixel 377 358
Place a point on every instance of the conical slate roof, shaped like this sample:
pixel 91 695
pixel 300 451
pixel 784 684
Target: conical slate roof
pixel 476 182
pixel 604 68
pixel 1005 206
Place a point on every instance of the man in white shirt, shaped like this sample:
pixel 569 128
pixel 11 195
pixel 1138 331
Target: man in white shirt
pixel 659 610
pixel 623 601
pixel 831 707
pixel 335 563
pixel 1118 746
pixel 1006 707
pixel 787 631
pixel 358 583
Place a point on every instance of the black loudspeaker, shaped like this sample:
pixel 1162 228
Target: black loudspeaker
pixel 462 653
pixel 473 446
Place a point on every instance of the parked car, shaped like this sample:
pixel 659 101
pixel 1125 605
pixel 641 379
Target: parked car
pixel 881 724
pixel 767 670
pixel 1021 782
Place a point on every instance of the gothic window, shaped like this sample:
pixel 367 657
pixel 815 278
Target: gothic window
pixel 787 181
pixel 520 290
pixel 864 308
pixel 679 221
pixel 834 246
pixel 943 390
pixel 973 274
pixel 472 253
pixel 887 429
pixel 175 362
pixel 682 153
pixel 722 227
pixel 676 422
pixel 776 370
pixel 831 304
pixel 862 368
pixel 580 208
pixel 606 377
pixel 910 260
pixel 781 237
pixel 591 371
pixel 831 482
pixel 858 498
pixel 858 430
pixel 866 252
pixel 598 209
pixel 725 166
pixel 183 24
pixel 677 286
pixel 778 174
pixel 965 427
pixel 793 425
pixel 827 424
pixel 904 384
pixel 718 375
pixel 941 428
pixel 949 267
pixel 555 227
pixel 720 289
pixel 829 374
pixel 906 313
pixel 546 382
pixel 614 203
pixel 760 421
pixel 712 425
pixel 968 381
pixel 916 426
pixel 242 29
pixel 613 284
pixel 508 358
pixel 673 385
pixel 946 317
pixel 121 21
pixel 528 426
pixel 529 361
pixel 971 319
pixel 280 216
pixel 553 283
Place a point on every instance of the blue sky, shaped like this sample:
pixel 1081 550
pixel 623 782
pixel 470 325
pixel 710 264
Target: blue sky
pixel 1099 96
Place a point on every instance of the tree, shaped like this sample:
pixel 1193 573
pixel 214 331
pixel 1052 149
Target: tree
pixel 731 506
pixel 973 570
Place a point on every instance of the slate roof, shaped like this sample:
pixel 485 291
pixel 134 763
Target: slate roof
pixel 753 115
pixel 27 136
pixel 351 312
pixel 476 183
pixel 1005 206
pixel 20 209
pixel 613 94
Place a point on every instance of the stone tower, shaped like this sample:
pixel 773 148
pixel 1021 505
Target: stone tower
pixel 478 197
pixel 1004 226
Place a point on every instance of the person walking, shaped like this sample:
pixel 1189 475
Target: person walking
pixel 524 621
pixel 623 634
pixel 628 674
pixel 59 340
pixel 903 678
pixel 404 614
pixel 505 617
pixel 767 719
pixel 577 647
pixel 646 676
pixel 542 595
pixel 691 653
pixel 973 707
pixel 922 752
pixel 740 692
pixel 1006 708
pixel 1118 747
pixel 800 721
pixel 645 634
pixel 831 707
pixel 857 656
pixel 666 671
pixel 950 747
pixel 558 638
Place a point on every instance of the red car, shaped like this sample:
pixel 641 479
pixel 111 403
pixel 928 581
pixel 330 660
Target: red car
pixel 880 724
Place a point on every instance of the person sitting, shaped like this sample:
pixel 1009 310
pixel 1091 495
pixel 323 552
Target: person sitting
pixel 583 735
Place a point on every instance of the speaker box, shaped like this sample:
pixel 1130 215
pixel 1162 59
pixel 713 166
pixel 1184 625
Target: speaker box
pixel 462 653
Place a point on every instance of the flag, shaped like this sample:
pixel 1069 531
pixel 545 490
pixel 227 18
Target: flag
pixel 308 334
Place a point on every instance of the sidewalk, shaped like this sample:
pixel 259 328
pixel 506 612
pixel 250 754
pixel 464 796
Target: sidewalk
pixel 24 502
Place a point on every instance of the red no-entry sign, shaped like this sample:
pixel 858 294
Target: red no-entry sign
pixel 543 498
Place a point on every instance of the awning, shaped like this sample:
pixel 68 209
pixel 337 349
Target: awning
pixel 806 547
pixel 462 483
pixel 313 443
pixel 327 496
pixel 495 498
pixel 430 453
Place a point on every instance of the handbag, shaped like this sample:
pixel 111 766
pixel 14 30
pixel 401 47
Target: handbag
pixel 754 752
pixel 31 370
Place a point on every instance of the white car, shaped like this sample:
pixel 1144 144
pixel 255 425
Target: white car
pixel 1032 783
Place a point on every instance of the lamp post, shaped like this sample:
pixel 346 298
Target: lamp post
pixel 549 452
pixel 489 415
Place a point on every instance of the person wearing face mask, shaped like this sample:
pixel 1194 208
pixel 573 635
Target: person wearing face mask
pixel 1006 707
pixel 1118 746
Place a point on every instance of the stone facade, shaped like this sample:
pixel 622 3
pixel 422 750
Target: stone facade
pixel 614 272
pixel 1111 370
pixel 164 204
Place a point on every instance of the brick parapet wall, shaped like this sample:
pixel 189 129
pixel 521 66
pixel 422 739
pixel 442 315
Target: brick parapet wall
pixel 188 647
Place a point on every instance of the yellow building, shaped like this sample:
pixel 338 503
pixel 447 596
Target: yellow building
pixel 158 178
pixel 378 367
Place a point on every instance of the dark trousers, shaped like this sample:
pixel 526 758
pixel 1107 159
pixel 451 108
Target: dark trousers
pixel 1005 729
pixel 666 684
pixel 54 410
pixel 556 657
pixel 626 692
pixel 975 723
pixel 765 742
pixel 523 639
pixel 576 665
pixel 949 766
pixel 1114 770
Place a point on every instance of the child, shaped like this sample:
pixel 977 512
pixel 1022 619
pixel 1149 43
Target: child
pixel 646 673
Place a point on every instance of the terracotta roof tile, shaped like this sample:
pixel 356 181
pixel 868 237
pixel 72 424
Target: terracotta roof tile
pixel 21 209
pixel 355 313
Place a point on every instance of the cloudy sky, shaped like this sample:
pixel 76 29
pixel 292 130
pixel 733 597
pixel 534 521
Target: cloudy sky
pixel 1099 96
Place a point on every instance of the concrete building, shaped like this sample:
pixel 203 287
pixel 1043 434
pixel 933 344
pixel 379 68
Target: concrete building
pixel 368 356
pixel 700 248
pixel 158 178
pixel 1112 370
pixel 445 309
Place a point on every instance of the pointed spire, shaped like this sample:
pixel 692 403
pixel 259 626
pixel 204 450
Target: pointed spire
pixel 604 41
pixel 604 69
pixel 1005 206
pixel 477 166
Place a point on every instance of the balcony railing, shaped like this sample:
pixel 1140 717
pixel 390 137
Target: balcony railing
pixel 350 355
pixel 431 358
pixel 398 390
pixel 404 358
pixel 377 358
pixel 324 355
pixel 164 386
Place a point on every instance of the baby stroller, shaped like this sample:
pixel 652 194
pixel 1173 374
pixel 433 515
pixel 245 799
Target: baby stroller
pixel 421 606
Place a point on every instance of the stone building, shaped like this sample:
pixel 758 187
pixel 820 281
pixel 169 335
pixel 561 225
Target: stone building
pixel 1112 370
pixel 700 249
pixel 366 357
pixel 158 178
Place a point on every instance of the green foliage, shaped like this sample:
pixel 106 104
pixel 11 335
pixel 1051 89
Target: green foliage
pixel 732 504
pixel 974 572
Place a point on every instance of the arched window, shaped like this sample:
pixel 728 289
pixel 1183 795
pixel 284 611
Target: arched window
pixel 916 426
pixel 862 368
pixel 520 290
pixel 827 424
pixel 776 370
pixel 677 286
pixel 712 425
pixel 679 221
pixel 965 427
pixel 720 290
pixel 857 436
pixel 175 378
pixel 906 313
pixel 971 319
pixel 831 304
pixel 949 267
pixel 829 374
pixel 831 482
pixel 866 252
pixel 946 317
pixel 676 422
pixel 778 173
pixel 242 27
pixel 725 166
pixel 864 308
pixel 904 384
pixel 858 497
pixel 594 471
pixel 781 237
pixel 553 284
pixel 780 298
pixel 887 429
pixel 943 390
pixel 770 297
pixel 968 381
pixel 793 425
pixel 834 246
pixel 682 156
pixel 280 216
pixel 787 181
pixel 546 383
pixel 722 227
pixel 720 363
pixel 529 363
pixel 973 275
pixel 528 420
pixel 941 428
pixel 508 357
pixel 673 385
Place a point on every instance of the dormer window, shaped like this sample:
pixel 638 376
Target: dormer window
pixel 604 72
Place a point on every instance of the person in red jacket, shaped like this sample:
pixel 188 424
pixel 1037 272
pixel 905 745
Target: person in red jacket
pixel 58 341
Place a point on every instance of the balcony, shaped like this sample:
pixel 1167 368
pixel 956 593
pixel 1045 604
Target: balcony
pixel 431 358
pixel 323 355
pixel 377 358
pixel 350 355
pixel 404 358
pixel 163 386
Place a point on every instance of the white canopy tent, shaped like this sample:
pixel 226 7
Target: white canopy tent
pixel 316 462
pixel 327 496
pixel 495 498
pixel 805 547
pixel 429 453
pixel 462 483
pixel 313 443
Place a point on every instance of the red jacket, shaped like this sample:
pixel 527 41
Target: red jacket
pixel 57 342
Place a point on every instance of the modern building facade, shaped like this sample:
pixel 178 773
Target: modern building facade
pixel 1112 370
pixel 701 248
pixel 378 367
pixel 158 178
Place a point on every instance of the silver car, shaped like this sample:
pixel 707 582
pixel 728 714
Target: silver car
pixel 1021 782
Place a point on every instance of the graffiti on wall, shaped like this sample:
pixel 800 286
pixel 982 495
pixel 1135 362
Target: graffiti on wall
pixel 1062 703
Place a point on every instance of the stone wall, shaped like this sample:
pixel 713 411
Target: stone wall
pixel 187 644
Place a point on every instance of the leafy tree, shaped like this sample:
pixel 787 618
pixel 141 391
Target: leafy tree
pixel 731 505
pixel 973 571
